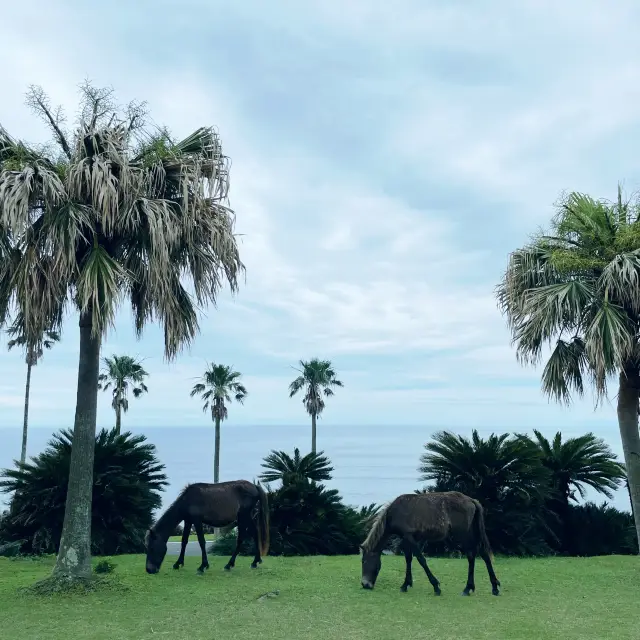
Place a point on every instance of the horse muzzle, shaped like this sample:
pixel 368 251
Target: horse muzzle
pixel 366 584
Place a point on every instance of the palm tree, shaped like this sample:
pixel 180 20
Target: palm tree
pixel 120 373
pixel 220 384
pixel 317 377
pixel 576 462
pixel 280 466
pixel 504 472
pixel 577 290
pixel 33 353
pixel 113 210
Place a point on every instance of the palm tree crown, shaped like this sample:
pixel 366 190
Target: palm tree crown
pixel 318 378
pixel 119 374
pixel 576 462
pixel 577 290
pixel 280 466
pixel 220 384
pixel 33 352
pixel 120 211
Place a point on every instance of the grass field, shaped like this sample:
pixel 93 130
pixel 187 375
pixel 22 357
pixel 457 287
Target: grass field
pixel 192 538
pixel 321 598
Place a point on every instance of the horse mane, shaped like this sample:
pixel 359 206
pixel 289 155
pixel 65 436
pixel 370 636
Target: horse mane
pixel 169 515
pixel 377 530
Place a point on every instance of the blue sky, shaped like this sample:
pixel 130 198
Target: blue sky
pixel 386 159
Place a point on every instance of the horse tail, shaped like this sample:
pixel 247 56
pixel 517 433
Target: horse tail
pixel 480 530
pixel 262 523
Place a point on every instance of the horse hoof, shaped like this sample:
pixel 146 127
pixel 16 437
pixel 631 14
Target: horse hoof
pixel 254 565
pixel 227 567
pixel 495 592
pixel 404 588
pixel 437 592
pixel 466 593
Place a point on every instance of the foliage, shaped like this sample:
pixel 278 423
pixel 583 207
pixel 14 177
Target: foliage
pixel 126 489
pixel 585 460
pixel 306 518
pixel 33 351
pixel 600 530
pixel 120 209
pixel 578 286
pixel 505 473
pixel 104 566
pixel 219 384
pixel 281 467
pixel 120 373
pixel 317 378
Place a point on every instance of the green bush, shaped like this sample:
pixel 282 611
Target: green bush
pixel 600 530
pixel 126 489
pixel 306 518
pixel 104 566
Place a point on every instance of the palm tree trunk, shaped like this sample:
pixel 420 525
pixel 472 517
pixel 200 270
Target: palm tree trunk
pixel 25 422
pixel 216 454
pixel 74 556
pixel 630 436
pixel 118 418
pixel 313 432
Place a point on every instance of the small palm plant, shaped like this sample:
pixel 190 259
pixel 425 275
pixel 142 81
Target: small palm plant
pixel 33 353
pixel 219 384
pixel 280 466
pixel 317 378
pixel 119 374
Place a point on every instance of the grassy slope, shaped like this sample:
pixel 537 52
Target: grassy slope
pixel 321 598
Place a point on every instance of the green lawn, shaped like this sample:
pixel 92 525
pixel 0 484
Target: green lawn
pixel 321 598
pixel 192 538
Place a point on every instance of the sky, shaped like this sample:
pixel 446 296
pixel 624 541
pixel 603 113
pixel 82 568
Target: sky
pixel 386 158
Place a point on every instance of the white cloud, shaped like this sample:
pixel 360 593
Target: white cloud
pixel 390 254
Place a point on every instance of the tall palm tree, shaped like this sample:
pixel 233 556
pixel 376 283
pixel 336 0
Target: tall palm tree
pixel 219 384
pixel 577 289
pixel 280 466
pixel 119 374
pixel 317 378
pixel 115 209
pixel 33 353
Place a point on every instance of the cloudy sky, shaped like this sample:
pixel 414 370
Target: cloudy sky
pixel 385 162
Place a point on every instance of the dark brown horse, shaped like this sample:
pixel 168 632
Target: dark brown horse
pixel 219 505
pixel 428 517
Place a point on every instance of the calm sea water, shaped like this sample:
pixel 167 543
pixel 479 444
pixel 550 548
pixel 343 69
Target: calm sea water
pixel 371 464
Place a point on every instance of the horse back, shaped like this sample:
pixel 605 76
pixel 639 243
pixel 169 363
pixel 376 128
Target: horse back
pixel 219 504
pixel 432 516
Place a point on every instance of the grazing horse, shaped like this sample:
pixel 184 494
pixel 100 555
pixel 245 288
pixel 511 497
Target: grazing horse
pixel 437 516
pixel 218 505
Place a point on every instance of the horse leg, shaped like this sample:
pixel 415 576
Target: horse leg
pixel 408 578
pixel 203 546
pixel 256 558
pixel 185 539
pixel 240 540
pixel 495 583
pixel 471 584
pixel 423 563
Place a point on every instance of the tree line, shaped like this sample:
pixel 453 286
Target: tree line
pixel 529 486
pixel 118 209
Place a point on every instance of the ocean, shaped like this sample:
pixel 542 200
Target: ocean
pixel 371 464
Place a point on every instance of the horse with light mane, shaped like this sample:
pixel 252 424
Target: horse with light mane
pixel 435 517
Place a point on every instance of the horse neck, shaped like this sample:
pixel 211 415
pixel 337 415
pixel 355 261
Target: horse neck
pixel 169 520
